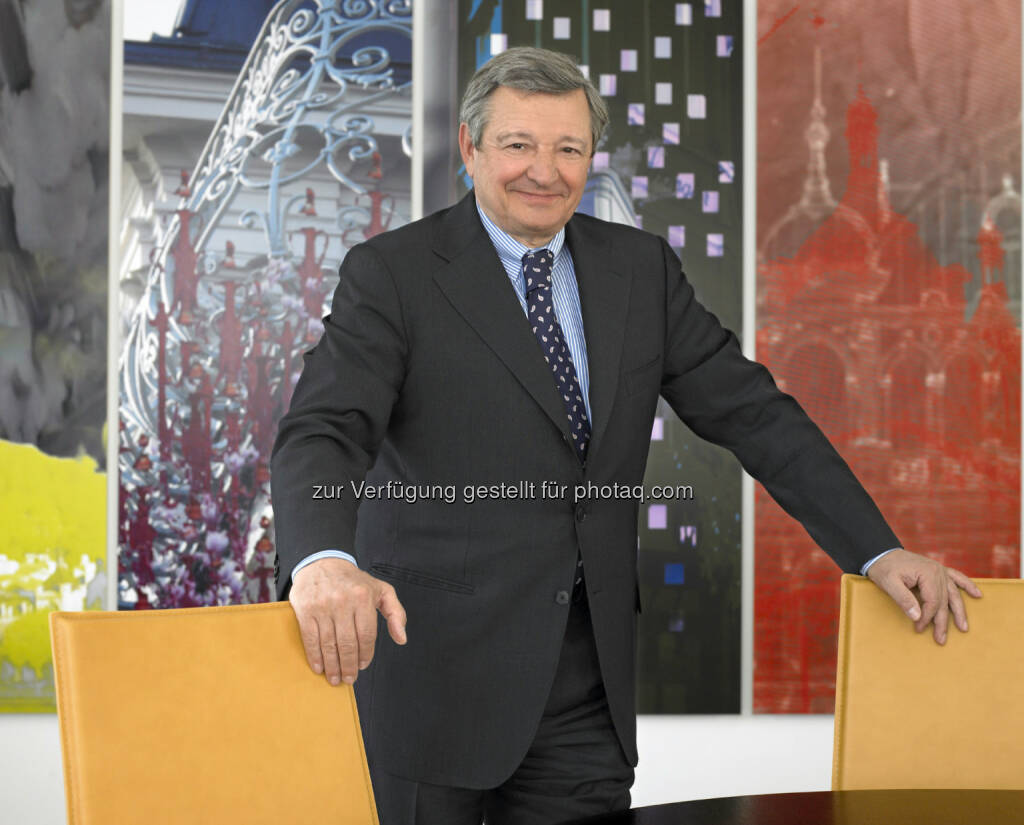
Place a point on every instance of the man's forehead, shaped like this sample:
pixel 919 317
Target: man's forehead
pixel 516 112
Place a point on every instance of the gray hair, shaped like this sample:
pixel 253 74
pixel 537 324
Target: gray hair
pixel 529 70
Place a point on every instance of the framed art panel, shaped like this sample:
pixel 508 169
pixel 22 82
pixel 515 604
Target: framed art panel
pixel 888 293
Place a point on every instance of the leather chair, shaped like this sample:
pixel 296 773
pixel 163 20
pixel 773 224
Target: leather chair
pixel 913 714
pixel 203 715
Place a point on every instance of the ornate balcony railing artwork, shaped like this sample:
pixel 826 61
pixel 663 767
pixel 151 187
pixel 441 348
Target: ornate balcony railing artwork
pixel 214 347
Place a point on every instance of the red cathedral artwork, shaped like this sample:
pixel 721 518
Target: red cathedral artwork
pixel 890 309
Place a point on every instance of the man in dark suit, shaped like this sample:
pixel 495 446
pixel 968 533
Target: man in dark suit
pixel 483 373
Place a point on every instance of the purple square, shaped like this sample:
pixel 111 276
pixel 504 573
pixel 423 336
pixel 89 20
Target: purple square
pixel 677 236
pixel 658 429
pixel 670 133
pixel 656 157
pixel 709 201
pixel 716 245
pixel 685 185
pixel 657 517
pixel 638 187
pixel 635 114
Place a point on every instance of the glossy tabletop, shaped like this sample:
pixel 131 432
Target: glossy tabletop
pixel 833 808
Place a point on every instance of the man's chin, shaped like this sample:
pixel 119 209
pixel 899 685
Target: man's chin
pixel 541 221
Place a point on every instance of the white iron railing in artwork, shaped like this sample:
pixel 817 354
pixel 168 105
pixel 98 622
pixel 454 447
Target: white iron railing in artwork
pixel 215 344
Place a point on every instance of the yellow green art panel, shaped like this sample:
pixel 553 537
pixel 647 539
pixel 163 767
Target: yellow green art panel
pixel 53 511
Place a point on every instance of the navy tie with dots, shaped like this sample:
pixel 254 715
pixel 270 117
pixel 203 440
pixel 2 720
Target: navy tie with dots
pixel 541 313
pixel 540 310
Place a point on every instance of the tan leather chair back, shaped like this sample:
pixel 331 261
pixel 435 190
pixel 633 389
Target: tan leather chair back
pixel 913 714
pixel 203 715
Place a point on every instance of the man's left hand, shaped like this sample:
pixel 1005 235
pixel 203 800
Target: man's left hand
pixel 924 589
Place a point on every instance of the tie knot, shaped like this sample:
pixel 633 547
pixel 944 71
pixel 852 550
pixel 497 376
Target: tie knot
pixel 537 269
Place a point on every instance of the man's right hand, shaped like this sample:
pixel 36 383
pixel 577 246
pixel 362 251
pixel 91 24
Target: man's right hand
pixel 336 604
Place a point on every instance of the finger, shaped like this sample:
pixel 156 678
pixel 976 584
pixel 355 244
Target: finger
pixel 964 582
pixel 329 650
pixel 348 648
pixel 942 618
pixel 366 633
pixel 903 596
pixel 932 587
pixel 391 609
pixel 956 604
pixel 310 635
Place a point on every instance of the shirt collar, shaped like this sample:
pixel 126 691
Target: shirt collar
pixel 511 251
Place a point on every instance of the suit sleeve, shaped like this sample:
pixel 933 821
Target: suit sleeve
pixel 734 402
pixel 339 414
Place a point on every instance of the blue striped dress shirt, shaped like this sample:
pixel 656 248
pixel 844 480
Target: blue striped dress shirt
pixel 565 292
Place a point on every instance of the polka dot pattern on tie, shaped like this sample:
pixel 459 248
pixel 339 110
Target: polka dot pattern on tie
pixel 541 314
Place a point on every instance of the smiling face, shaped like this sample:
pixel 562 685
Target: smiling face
pixel 531 165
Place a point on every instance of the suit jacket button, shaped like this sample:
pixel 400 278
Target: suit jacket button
pixel 562 597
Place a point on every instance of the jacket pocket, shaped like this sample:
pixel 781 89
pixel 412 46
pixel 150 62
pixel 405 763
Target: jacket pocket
pixel 638 377
pixel 404 574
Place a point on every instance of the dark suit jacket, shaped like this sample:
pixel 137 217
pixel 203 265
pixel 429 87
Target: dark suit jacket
pixel 428 373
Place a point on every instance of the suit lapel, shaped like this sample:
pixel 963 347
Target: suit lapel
pixel 604 300
pixel 478 287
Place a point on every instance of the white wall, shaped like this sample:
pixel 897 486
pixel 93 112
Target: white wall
pixel 31 779
pixel 681 757
pixel 699 757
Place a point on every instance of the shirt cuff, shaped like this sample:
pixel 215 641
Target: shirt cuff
pixel 863 570
pixel 329 554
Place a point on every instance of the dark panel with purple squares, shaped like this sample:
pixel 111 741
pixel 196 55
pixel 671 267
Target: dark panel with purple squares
pixel 670 162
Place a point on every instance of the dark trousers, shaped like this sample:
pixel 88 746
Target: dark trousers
pixel 574 768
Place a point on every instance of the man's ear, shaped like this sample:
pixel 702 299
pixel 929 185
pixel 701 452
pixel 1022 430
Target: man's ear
pixel 466 148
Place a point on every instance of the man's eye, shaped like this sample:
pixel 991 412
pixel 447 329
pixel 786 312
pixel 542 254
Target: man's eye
pixel 517 146
pixel 571 150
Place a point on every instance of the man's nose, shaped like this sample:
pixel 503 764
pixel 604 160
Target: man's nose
pixel 544 169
